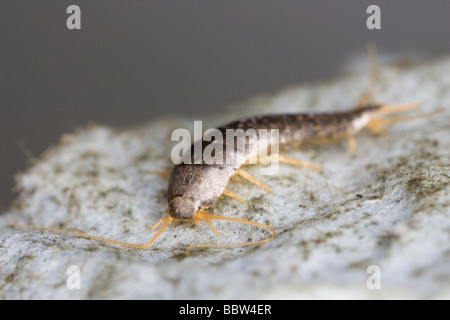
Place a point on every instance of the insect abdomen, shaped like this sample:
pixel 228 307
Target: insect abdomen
pixel 296 129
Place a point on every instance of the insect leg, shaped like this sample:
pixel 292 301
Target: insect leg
pixel 211 227
pixel 296 162
pixel 163 174
pixel 252 179
pixel 233 195
pixel 351 143
pixel 204 216
pixel 236 178
pixel 163 219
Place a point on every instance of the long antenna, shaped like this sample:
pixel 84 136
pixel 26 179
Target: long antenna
pixel 206 217
pixel 372 50
pixel 87 236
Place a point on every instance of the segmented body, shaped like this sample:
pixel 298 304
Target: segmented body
pixel 198 186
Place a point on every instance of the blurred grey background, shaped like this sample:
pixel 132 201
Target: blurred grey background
pixel 136 60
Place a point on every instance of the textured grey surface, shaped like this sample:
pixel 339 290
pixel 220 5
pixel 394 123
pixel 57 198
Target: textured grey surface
pixel 94 180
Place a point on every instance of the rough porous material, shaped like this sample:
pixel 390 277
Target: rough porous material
pixel 386 204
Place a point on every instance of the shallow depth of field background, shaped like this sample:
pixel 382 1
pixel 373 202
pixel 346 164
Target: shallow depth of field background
pixel 136 60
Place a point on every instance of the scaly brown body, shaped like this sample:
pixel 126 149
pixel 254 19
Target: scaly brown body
pixel 197 186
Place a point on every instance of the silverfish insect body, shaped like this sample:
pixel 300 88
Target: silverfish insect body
pixel 194 187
